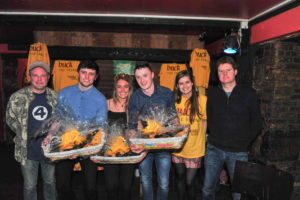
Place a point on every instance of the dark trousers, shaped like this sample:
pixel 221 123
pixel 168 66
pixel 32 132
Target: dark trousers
pixel 118 180
pixel 63 173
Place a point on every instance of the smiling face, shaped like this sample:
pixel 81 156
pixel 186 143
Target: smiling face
pixel 86 78
pixel 185 86
pixel 39 80
pixel 122 88
pixel 144 77
pixel 227 74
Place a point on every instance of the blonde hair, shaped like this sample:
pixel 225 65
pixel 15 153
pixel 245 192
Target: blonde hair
pixel 126 78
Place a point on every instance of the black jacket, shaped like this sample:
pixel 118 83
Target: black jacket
pixel 233 121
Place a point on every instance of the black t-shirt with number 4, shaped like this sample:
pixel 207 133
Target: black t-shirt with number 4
pixel 39 111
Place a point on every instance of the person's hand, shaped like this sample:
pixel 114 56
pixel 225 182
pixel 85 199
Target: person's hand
pixel 174 120
pixel 144 155
pixel 130 133
pixel 94 160
pixel 136 148
pixel 53 129
pixel 72 157
pixel 46 140
pixel 140 125
pixel 162 130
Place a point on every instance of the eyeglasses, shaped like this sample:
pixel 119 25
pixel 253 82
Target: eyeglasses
pixel 123 76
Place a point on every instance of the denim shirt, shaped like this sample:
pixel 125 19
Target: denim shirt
pixel 140 103
pixel 86 107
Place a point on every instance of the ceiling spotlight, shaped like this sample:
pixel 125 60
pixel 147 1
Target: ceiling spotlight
pixel 202 36
pixel 231 44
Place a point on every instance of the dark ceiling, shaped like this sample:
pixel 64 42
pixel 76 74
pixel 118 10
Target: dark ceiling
pixel 18 18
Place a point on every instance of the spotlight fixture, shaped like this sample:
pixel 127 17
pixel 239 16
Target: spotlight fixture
pixel 202 36
pixel 231 44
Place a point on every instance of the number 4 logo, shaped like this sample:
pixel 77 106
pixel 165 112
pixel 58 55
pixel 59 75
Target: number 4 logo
pixel 40 113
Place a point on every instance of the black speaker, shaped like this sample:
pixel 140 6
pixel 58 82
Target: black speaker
pixel 263 182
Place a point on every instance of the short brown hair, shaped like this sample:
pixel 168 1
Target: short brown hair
pixel 226 59
pixel 143 65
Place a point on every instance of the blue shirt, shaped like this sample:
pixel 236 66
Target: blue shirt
pixel 141 104
pixel 87 107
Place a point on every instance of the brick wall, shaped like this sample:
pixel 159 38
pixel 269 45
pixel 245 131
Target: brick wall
pixel 277 81
pixel 126 40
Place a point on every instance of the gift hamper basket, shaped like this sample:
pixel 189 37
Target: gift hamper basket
pixel 131 159
pixel 88 143
pixel 168 140
pixel 161 130
pixel 66 138
pixel 116 149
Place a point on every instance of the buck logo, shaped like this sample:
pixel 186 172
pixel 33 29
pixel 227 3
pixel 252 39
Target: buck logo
pixel 173 67
pixel 65 64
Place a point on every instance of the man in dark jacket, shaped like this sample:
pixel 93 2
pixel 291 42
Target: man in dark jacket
pixel 234 120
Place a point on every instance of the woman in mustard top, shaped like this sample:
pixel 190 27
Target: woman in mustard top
pixel 191 109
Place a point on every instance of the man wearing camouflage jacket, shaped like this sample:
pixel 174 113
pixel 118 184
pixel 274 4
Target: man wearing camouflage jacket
pixel 27 110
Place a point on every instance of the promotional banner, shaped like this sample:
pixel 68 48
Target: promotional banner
pixel 38 51
pixel 64 74
pixel 124 66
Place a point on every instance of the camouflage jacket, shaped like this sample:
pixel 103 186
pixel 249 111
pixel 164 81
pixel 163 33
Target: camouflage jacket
pixel 17 117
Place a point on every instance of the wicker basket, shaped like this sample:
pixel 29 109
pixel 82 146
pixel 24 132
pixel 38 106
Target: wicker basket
pixel 120 160
pixel 53 156
pixel 161 143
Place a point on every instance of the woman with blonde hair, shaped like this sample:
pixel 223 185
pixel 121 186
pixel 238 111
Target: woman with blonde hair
pixel 119 177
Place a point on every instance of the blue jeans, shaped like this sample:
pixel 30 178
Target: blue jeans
pixel 163 164
pixel 213 163
pixel 30 173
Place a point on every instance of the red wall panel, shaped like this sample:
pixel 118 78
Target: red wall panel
pixel 279 25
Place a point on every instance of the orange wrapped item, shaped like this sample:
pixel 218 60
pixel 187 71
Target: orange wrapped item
pixel 95 141
pixel 151 129
pixel 69 139
pixel 118 147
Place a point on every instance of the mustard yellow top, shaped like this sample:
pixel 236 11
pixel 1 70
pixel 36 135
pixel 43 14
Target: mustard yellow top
pixel 37 51
pixel 64 74
pixel 195 144
pixel 200 63
pixel 168 72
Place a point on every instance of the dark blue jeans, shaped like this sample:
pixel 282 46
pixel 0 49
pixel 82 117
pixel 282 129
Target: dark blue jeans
pixel 214 161
pixel 163 165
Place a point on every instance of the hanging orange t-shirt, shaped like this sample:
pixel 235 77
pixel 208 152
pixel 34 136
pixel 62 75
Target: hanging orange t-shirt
pixel 168 72
pixel 200 63
pixel 37 51
pixel 64 74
